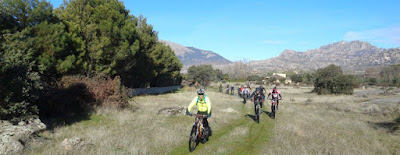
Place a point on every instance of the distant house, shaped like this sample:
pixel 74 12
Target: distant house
pixel 279 74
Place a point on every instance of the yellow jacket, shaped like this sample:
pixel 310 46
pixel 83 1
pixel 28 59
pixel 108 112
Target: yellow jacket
pixel 202 105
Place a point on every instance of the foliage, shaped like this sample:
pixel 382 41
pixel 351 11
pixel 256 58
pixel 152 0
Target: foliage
pixel 84 95
pixel 110 41
pixel 390 75
pixel 254 78
pixel 372 81
pixel 39 46
pixel 330 80
pixel 272 79
pixel 297 78
pixel 282 80
pixel 24 26
pixel 204 73
pixel 383 76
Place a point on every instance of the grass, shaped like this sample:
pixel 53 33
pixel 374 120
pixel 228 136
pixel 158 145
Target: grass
pixel 305 124
pixel 324 126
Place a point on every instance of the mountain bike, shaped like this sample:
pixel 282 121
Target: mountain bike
pixel 197 134
pixel 274 107
pixel 244 96
pixel 257 109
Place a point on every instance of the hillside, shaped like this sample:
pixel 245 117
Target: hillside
pixel 353 56
pixel 194 56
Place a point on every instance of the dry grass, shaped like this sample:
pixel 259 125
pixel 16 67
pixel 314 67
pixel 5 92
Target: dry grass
pixel 305 124
pixel 138 131
pixel 312 124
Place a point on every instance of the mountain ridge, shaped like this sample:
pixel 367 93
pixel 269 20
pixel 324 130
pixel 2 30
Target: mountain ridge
pixel 351 56
pixel 194 56
pixel 354 56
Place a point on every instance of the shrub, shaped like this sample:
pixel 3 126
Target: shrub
pixel 330 80
pixel 297 78
pixel 372 81
pixel 84 95
pixel 204 73
pixel 20 86
pixel 254 78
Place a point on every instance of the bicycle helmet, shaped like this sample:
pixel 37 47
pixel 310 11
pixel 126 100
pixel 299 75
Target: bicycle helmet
pixel 200 91
pixel 257 89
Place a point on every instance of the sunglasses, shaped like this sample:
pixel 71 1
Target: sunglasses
pixel 200 94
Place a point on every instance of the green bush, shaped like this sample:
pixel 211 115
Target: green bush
pixel 204 73
pixel 297 78
pixel 254 78
pixel 39 45
pixel 20 86
pixel 330 80
pixel 372 81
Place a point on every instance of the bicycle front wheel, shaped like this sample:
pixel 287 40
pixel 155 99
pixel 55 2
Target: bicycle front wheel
pixel 193 139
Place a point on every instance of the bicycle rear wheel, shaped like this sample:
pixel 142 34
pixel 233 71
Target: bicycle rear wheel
pixel 193 139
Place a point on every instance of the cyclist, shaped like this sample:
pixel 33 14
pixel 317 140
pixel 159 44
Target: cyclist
pixel 258 94
pixel 203 104
pixel 262 89
pixel 241 90
pixel 275 92
pixel 245 93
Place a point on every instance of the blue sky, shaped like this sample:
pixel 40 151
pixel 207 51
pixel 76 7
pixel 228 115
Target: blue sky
pixel 257 30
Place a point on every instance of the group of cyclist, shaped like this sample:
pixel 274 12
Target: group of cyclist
pixel 203 102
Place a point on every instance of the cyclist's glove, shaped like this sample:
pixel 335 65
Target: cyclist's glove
pixel 187 112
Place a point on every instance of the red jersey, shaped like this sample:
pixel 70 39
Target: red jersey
pixel 275 94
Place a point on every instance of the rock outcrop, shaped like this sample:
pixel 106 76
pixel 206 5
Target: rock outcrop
pixel 12 137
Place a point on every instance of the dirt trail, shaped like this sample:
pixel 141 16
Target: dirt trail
pixel 243 136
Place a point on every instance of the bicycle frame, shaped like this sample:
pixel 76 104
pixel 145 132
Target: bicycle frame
pixel 199 124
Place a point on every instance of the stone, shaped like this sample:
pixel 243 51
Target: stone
pixel 72 143
pixel 172 111
pixel 12 135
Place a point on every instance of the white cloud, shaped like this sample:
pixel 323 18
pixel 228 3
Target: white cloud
pixel 383 35
pixel 273 42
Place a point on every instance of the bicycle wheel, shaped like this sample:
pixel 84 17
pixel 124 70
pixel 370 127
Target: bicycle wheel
pixel 193 139
pixel 273 110
pixel 258 113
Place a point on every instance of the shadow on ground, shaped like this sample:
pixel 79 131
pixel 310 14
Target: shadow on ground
pixel 252 117
pixel 268 113
pixel 391 127
pixel 65 106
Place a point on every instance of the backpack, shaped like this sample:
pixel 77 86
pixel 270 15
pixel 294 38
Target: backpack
pixel 203 99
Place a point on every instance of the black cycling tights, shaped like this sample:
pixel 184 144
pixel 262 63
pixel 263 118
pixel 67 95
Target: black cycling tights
pixel 205 122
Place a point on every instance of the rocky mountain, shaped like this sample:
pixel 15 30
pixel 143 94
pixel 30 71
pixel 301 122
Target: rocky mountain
pixel 351 56
pixel 194 56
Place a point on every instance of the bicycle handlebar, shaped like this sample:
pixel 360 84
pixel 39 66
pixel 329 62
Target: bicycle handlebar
pixel 198 115
pixel 272 99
